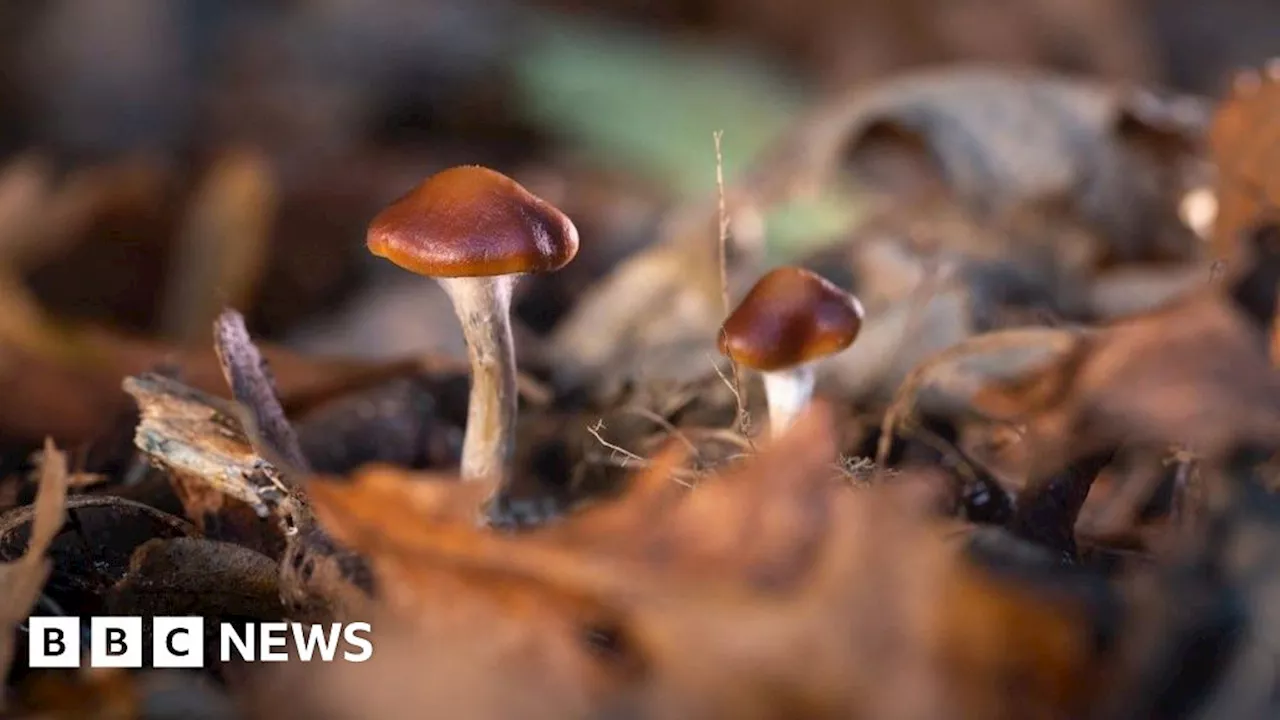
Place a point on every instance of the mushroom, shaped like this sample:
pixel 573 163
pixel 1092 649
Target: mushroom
pixel 477 231
pixel 789 320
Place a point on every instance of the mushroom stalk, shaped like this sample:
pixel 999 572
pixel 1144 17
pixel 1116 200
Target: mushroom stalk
pixel 788 393
pixel 483 306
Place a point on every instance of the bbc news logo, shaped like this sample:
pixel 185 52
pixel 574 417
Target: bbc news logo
pixel 178 642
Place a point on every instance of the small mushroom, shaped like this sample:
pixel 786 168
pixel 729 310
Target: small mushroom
pixel 477 231
pixel 789 320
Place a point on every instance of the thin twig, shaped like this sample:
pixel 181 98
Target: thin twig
pixel 723 215
pixel 671 430
pixel 252 386
pixel 683 477
pixel 733 387
pixel 630 456
pixel 722 239
pixel 856 471
pixel 1185 461
pixel 631 460
pixel 733 382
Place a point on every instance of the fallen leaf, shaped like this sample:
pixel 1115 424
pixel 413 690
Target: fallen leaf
pixel 82 571
pixel 74 393
pixel 772 591
pixel 947 385
pixel 118 694
pixel 1245 142
pixel 1246 146
pixel 1194 372
pixel 220 252
pixel 195 576
pixel 22 579
pixel 996 139
pixel 103 694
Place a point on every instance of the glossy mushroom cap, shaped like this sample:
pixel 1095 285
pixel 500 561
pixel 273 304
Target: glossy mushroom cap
pixel 471 221
pixel 789 318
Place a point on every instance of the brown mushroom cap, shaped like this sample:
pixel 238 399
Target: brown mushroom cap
pixel 471 221
pixel 790 317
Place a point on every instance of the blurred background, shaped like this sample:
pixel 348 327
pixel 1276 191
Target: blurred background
pixel 164 157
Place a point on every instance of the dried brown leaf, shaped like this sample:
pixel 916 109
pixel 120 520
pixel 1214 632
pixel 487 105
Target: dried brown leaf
pixel 1194 373
pixel 948 384
pixel 195 576
pixel 117 526
pixel 221 250
pixel 1000 138
pixel 22 579
pixel 1245 141
pixel 118 694
pixel 772 591
pixel 72 390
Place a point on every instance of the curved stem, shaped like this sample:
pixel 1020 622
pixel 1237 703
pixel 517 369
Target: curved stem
pixel 483 306
pixel 788 393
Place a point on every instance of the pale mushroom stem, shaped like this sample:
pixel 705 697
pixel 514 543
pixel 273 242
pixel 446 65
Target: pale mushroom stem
pixel 788 393
pixel 483 306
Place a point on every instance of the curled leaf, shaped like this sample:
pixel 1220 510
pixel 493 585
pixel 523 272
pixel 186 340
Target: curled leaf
pixel 25 573
pixel 772 591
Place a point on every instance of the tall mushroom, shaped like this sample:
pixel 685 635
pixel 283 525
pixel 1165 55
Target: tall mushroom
pixel 789 320
pixel 477 231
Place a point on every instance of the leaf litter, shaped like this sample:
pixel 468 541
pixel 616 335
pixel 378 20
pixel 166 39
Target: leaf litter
pixel 1039 485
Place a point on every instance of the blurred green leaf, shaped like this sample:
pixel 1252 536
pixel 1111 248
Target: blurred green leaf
pixel 808 223
pixel 649 104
